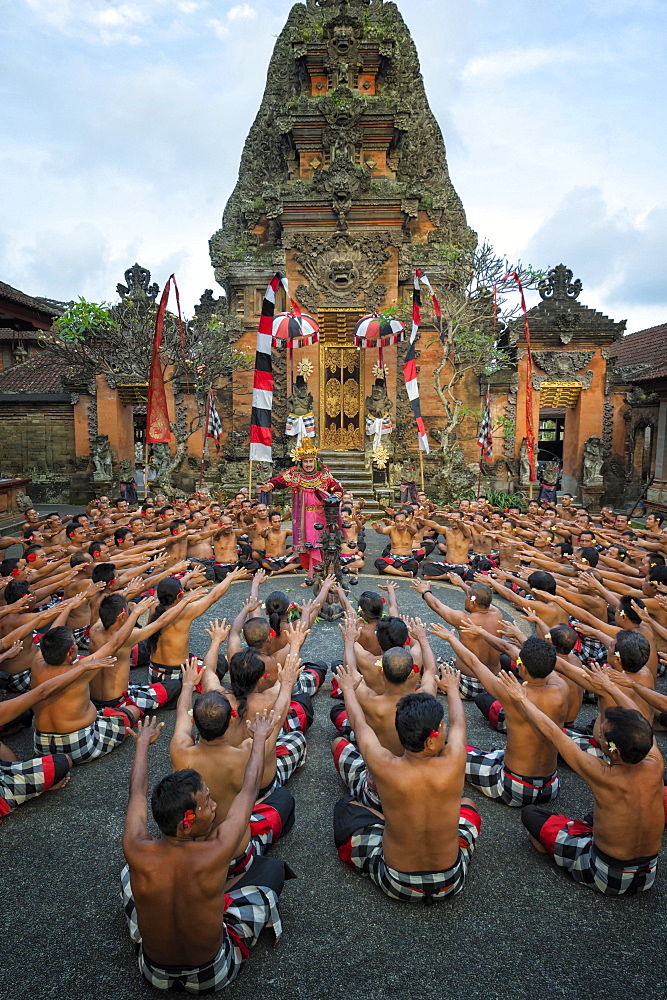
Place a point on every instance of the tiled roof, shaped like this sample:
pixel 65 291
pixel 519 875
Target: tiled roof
pixel 50 307
pixel 646 347
pixel 44 373
pixel 7 334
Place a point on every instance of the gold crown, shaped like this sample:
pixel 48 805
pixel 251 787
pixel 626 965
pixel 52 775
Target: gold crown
pixel 307 449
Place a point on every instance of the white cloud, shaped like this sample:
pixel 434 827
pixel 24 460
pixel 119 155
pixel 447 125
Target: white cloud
pixel 190 6
pixel 98 20
pixel 218 27
pixel 516 62
pixel 242 12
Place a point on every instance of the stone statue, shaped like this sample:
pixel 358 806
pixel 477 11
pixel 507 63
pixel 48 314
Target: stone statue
pixel 300 415
pixel 524 464
pixel 593 462
pixel 161 460
pixel 101 459
pixel 139 454
pixel 379 428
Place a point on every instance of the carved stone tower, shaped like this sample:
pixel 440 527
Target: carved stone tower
pixel 344 186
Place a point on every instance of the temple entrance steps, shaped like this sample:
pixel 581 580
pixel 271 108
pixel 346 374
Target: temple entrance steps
pixel 348 468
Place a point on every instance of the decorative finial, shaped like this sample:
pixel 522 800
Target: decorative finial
pixel 558 284
pixel 305 369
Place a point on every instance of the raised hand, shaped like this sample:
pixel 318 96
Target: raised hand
pixel 191 672
pixel 101 661
pixel 238 574
pixel 351 627
pixel 468 625
pixel 416 628
pixel 217 631
pixel 147 604
pixel 291 669
pixel 456 580
pixel 14 649
pixel 251 604
pixel 421 586
pixel 512 631
pixel 263 724
pixel 348 679
pixel 440 631
pixel 195 594
pixel 147 731
pixel 448 682
pixel 296 633
pixel 512 689
pixel 642 612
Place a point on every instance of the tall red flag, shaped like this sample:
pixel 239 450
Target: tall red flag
pixel 158 430
pixel 530 430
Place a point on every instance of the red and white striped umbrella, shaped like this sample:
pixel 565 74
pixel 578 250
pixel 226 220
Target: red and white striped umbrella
pixel 295 330
pixel 374 331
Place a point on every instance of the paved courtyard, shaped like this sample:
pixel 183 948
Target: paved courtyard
pixel 520 929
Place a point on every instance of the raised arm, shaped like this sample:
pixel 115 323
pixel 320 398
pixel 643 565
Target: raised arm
pixel 480 670
pixel 234 640
pixel 204 603
pixel 136 819
pixel 391 589
pixel 182 738
pixel 13 707
pixel 372 750
pixel 230 831
pixel 449 685
pixel 449 615
pixel 418 633
pixel 311 609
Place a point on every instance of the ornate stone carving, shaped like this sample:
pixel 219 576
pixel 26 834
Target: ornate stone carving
pixel 138 282
pixel 343 267
pixel 101 458
pixel 592 463
pixel 638 397
pixel 558 284
pixel 563 366
pixel 343 182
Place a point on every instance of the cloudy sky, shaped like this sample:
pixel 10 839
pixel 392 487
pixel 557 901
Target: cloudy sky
pixel 122 126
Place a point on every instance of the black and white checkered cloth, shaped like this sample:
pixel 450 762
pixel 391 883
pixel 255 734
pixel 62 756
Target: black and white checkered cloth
pixel 214 424
pixel 17 683
pixel 591 649
pixel 311 678
pixel 248 911
pixel 352 769
pixel 22 780
pixel 291 749
pixel 586 743
pixel 571 845
pixel 363 852
pixel 469 687
pixel 486 770
pixel 106 733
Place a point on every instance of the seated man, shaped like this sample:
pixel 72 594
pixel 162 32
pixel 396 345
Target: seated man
pixel 21 780
pixel 400 676
pixel 400 560
pixel 619 852
pixel 194 930
pixel 391 632
pixel 221 757
pixel 421 848
pixel 68 722
pixel 526 770
pixel 479 609
pixel 277 558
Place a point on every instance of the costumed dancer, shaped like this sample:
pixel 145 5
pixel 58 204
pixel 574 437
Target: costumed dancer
pixel 310 483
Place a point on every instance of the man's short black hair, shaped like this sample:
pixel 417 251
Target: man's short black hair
pixel 173 796
pixel 541 580
pixel 563 638
pixel 16 589
pixel 633 648
pixel 538 656
pixel 77 558
pixel 565 548
pixel 110 607
pixel 370 603
pixel 256 632
pixel 211 715
pixel 56 644
pixel 120 534
pixel 391 632
pixel 94 548
pixel 630 732
pixel 656 559
pixel 625 605
pixel 590 555
pixel 103 573
pixel 71 528
pixel 397 665
pixel 483 595
pixel 417 716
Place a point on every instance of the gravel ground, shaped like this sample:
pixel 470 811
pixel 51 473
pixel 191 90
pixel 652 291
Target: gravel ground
pixel 520 929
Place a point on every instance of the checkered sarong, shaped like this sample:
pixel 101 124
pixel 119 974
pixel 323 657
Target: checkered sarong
pixel 586 743
pixel 570 844
pixel 341 721
pixel 158 673
pixel 310 679
pixel 82 638
pixel 291 751
pixel 248 911
pixel 18 683
pixel 352 769
pixel 590 649
pixel 486 770
pixel 363 852
pixel 266 827
pixel 21 780
pixel 106 733
pixel 469 687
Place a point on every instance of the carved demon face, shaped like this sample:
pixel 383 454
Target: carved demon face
pixel 343 273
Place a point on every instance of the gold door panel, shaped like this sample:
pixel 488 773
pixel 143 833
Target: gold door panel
pixel 341 383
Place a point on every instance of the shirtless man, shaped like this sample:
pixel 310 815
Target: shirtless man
pixel 112 688
pixel 193 929
pixel 392 632
pixel 421 847
pixel 619 852
pixel 222 761
pixel 458 536
pixel 69 722
pixel 171 647
pixel 481 611
pixel 525 772
pixel 226 557
pixel 22 780
pixel 277 560
pixel 399 676
pixel 351 555
pixel 400 561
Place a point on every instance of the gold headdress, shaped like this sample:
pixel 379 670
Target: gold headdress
pixel 307 449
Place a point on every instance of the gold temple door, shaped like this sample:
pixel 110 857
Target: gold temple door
pixel 341 382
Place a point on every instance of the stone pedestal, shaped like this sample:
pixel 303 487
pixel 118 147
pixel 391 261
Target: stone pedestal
pixel 591 496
